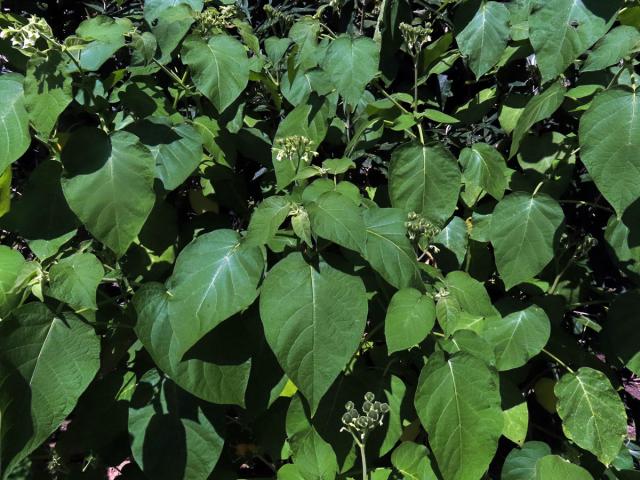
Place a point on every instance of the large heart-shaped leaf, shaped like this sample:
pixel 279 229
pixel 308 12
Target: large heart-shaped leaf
pixel 75 279
pixel 14 121
pixel 410 318
pixel 351 64
pixel 523 231
pixel 562 30
pixel 335 217
pixel 313 317
pixel 485 36
pixel 108 184
pixel 425 180
pixel 223 383
pixel 388 248
pixel 46 362
pixel 219 68
pixel 215 277
pixel 47 90
pixel 458 402
pixel 518 337
pixel 592 413
pixel 610 143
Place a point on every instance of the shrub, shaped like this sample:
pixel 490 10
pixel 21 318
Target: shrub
pixel 223 223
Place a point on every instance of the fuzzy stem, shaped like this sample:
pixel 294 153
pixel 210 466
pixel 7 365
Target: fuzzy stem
pixel 363 458
pixel 569 369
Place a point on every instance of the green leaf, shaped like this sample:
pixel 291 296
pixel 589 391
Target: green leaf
pixel 470 342
pixel 46 362
pixel 553 467
pixel 614 46
pixel 425 180
pixel 219 68
pixel 388 248
pixel 108 184
pixel 170 21
pixel 14 121
pixel 410 318
pixel 101 38
pixel 302 227
pixel 42 211
pixel 266 220
pixel 484 167
pixel 351 64
pixel 516 412
pixel 537 109
pixel 625 250
pixel 609 142
pixel 313 456
pixel 485 37
pixel 520 464
pixel 465 306
pixel 592 413
pixel 523 230
pixel 225 383
pixel 309 119
pixel 75 279
pixel 47 90
pixel 153 8
pixel 313 317
pixel 177 424
pixel 5 191
pixel 11 262
pixel 458 402
pixel 304 33
pixel 215 277
pixel 452 241
pixel 336 218
pixel 562 30
pixel 176 149
pixel 412 461
pixel 276 48
pixel 518 337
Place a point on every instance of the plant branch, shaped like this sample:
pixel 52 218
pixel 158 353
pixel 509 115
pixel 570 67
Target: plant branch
pixel 557 360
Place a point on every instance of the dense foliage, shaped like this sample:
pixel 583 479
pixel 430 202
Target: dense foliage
pixel 315 240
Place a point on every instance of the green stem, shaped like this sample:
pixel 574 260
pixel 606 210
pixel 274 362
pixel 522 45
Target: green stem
pixel 415 98
pixel 556 359
pixel 537 188
pixel 173 76
pixel 363 458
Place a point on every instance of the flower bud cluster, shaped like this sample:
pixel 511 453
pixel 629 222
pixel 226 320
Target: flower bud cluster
pixel 276 15
pixel 416 36
pixel 419 227
pixel 296 149
pixel 214 20
pixel 360 425
pixel 24 37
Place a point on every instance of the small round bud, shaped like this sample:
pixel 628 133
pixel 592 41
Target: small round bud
pixel 376 406
pixel 366 406
pixel 373 415
pixel 354 413
pixel 384 407
pixel 346 418
pixel 362 422
pixel 349 406
pixel 369 397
